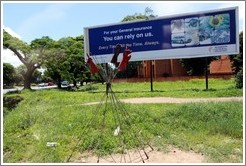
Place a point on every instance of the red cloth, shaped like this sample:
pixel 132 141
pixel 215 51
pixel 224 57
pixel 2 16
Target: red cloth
pixel 92 65
pixel 125 59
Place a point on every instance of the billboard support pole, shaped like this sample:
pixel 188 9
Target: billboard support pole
pixel 151 76
pixel 206 72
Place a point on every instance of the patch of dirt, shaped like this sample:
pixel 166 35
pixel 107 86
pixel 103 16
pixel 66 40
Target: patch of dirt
pixel 174 100
pixel 179 100
pixel 138 156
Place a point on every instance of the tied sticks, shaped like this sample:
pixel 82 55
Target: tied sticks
pixel 92 65
pixel 122 65
pixel 111 114
pixel 125 59
pixel 116 54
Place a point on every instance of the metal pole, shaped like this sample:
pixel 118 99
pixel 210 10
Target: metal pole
pixel 206 72
pixel 151 76
pixel 107 83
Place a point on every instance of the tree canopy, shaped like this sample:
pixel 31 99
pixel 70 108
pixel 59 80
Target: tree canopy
pixel 132 66
pixel 31 55
pixel 8 74
pixel 67 61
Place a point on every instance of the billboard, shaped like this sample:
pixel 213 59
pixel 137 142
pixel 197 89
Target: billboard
pixel 201 34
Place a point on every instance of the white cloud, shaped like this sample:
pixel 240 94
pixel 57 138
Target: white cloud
pixel 172 8
pixel 7 55
pixel 241 7
pixel 11 32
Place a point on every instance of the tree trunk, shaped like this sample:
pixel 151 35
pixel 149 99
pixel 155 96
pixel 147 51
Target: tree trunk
pixel 28 75
pixel 27 78
pixel 59 82
pixel 74 83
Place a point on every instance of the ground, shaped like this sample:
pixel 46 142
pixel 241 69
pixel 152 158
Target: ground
pixel 173 155
pixel 175 100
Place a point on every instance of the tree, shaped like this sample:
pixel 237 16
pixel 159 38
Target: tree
pixel 31 55
pixel 237 63
pixel 55 64
pixel 237 60
pixel 67 61
pixel 73 47
pixel 132 66
pixel 196 66
pixel 20 71
pixel 148 14
pixel 8 74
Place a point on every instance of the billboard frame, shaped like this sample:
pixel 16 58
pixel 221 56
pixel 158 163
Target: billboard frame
pixel 164 54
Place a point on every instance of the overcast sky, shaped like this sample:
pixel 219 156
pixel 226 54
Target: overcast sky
pixel 31 20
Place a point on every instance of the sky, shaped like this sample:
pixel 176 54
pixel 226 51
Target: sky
pixel 30 20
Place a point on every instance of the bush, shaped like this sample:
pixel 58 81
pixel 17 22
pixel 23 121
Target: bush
pixel 11 102
pixel 239 79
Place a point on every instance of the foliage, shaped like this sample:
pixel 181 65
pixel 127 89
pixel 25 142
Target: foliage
pixel 148 14
pixel 237 60
pixel 8 74
pixel 11 102
pixel 67 62
pixel 131 71
pixel 20 72
pixel 75 58
pixel 239 78
pixel 237 63
pixel 132 66
pixel 196 66
pixel 31 55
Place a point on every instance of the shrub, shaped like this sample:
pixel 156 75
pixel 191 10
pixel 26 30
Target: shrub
pixel 11 102
pixel 239 79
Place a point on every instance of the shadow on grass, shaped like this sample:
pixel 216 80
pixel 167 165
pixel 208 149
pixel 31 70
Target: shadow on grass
pixel 158 91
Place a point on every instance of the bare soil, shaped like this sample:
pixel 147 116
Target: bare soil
pixel 174 100
pixel 173 155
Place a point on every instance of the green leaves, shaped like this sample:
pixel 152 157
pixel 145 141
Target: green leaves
pixel 14 43
pixel 8 73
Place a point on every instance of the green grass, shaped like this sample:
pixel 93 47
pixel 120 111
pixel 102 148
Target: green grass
pixel 184 89
pixel 214 129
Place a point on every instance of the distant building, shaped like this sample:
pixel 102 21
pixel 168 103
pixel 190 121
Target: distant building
pixel 174 68
pixel 221 66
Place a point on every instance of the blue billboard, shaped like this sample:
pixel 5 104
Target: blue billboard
pixel 207 33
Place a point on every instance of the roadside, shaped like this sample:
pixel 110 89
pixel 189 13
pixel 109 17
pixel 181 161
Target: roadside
pixel 34 87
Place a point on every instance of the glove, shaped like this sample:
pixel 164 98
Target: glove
pixel 125 59
pixel 93 67
pixel 116 53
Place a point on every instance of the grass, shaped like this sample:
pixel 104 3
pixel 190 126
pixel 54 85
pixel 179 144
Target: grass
pixel 214 129
pixel 184 89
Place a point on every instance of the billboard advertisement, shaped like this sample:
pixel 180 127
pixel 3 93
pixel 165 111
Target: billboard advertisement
pixel 201 34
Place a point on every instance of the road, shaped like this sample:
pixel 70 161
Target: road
pixel 33 87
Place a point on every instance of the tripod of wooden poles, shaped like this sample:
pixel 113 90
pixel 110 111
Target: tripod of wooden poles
pixel 125 141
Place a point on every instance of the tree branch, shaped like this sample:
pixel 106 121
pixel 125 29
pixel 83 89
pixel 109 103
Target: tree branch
pixel 18 55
